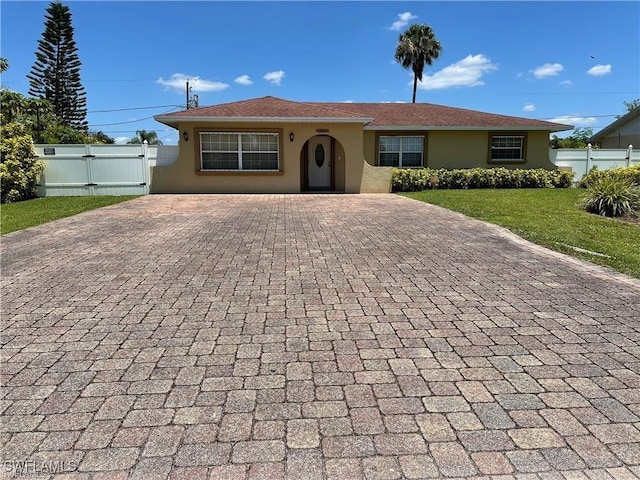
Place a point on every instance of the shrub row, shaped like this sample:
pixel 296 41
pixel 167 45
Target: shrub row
pixel 412 179
pixel 627 174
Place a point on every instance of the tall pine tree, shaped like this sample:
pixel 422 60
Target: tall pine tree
pixel 55 75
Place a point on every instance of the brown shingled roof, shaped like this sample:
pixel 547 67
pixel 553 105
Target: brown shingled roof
pixel 430 115
pixel 373 115
pixel 266 107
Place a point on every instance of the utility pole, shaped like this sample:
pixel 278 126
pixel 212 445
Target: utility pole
pixel 192 102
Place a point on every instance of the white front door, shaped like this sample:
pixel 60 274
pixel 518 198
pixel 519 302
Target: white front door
pixel 319 166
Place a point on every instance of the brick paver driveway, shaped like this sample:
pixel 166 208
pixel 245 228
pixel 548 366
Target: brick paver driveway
pixel 319 336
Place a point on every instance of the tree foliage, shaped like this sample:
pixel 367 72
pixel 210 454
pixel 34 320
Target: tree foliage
pixel 141 135
pixel 39 120
pixel 578 139
pixel 4 64
pixel 55 75
pixel 19 165
pixel 417 47
pixel 632 105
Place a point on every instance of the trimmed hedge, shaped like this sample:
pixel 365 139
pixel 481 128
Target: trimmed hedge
pixel 625 174
pixel 416 179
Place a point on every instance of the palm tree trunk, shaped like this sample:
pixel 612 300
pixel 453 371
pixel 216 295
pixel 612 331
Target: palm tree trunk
pixel 415 86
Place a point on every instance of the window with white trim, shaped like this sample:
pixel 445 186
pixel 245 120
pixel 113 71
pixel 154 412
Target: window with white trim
pixel 239 151
pixel 403 152
pixel 507 148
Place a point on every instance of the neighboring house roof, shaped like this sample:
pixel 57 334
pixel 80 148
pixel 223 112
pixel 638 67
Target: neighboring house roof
pixel 375 116
pixel 611 128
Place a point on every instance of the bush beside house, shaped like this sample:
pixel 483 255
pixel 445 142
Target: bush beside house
pixel 19 167
pixel 412 180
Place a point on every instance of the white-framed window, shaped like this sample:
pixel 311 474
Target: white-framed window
pixel 507 148
pixel 401 151
pixel 239 151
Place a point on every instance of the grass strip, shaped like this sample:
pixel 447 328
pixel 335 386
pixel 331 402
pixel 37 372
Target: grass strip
pixel 20 215
pixel 549 217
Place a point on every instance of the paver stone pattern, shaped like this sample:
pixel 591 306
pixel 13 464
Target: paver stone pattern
pixel 311 337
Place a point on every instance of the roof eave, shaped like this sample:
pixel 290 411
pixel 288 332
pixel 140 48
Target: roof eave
pixel 546 128
pixel 598 137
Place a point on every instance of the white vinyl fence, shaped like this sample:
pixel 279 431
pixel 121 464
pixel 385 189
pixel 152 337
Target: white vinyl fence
pixel 79 170
pixel 582 160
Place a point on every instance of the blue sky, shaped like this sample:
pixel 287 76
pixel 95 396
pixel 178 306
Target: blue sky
pixel 573 62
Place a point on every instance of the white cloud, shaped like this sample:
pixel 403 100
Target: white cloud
pixel 576 121
pixel 465 73
pixel 275 77
pixel 122 140
pixel 178 82
pixel 347 101
pixel 243 80
pixel 599 70
pixel 548 70
pixel 566 83
pixel 529 107
pixel 403 21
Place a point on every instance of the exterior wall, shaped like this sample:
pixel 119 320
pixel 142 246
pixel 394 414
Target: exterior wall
pixel 468 149
pixel 625 135
pixel 376 179
pixel 183 176
pixel 370 147
pixel 354 147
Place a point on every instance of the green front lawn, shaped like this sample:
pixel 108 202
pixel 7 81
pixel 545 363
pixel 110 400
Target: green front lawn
pixel 549 217
pixel 19 215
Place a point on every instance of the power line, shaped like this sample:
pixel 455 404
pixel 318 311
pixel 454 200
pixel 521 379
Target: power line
pixel 133 108
pixel 130 121
pixel 581 116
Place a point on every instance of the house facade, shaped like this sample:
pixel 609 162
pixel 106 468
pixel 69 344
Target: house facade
pixel 271 145
pixel 623 132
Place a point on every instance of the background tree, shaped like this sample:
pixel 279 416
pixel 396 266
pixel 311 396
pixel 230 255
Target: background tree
pixel 4 64
pixel 417 47
pixel 55 75
pixel 630 106
pixel 39 121
pixel 579 138
pixel 141 135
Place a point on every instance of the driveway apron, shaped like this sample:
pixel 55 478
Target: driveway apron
pixel 310 337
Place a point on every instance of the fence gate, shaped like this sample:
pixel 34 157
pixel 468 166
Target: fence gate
pixel 79 170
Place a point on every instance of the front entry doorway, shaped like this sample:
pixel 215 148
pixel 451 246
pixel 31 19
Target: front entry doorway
pixel 320 163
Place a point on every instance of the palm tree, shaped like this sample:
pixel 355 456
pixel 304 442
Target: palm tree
pixel 417 47
pixel 12 105
pixel 142 135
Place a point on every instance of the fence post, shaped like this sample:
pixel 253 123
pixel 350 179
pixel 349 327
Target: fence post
pixel 629 152
pixel 588 159
pixel 89 156
pixel 145 166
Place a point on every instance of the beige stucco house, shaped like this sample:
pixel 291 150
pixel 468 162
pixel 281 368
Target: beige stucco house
pixel 271 145
pixel 623 132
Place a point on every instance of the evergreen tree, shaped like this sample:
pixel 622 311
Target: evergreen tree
pixel 55 75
